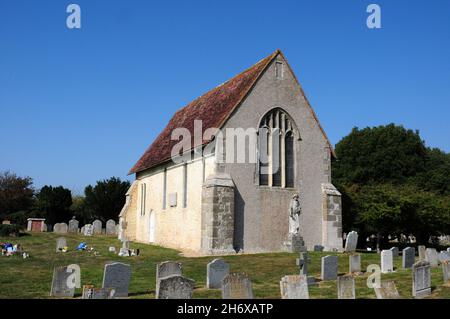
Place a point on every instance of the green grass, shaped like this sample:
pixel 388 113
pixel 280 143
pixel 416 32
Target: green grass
pixel 31 278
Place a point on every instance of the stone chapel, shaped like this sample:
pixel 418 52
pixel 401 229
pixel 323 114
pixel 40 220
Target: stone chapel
pixel 204 204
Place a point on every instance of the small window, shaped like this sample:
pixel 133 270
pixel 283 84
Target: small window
pixel 279 69
pixel 143 198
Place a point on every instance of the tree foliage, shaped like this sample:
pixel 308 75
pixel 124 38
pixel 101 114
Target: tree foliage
pixel 54 203
pixel 16 193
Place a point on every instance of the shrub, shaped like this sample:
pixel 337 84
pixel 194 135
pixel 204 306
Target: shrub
pixel 10 230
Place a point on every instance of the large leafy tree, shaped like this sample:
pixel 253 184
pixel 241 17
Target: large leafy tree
pixel 106 199
pixel 16 193
pixel 379 154
pixel 54 203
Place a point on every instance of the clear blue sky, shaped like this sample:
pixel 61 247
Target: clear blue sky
pixel 77 106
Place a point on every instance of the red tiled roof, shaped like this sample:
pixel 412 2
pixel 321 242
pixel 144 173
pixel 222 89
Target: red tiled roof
pixel 213 109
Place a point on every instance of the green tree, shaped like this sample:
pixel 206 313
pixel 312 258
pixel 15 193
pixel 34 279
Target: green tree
pixel 379 154
pixel 16 193
pixel 106 199
pixel 54 203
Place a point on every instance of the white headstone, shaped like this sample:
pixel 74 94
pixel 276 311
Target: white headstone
pixel 387 262
pixel 294 287
pixel 351 242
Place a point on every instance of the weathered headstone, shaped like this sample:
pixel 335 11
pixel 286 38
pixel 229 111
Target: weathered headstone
pixel 394 252
pixel 88 230
pixel 60 228
pixel 444 256
pixel 421 250
pixel 346 287
pixel 387 262
pixel 61 286
pixel 432 257
pixel 421 286
pixel 237 286
pixel 294 287
pixel 448 249
pixel 60 244
pixel 97 225
pixel 329 267
pixel 295 244
pixel 408 257
pixel 318 248
pixel 90 292
pixel 73 225
pixel 168 268
pixel 174 287
pixel 354 263
pixel 388 290
pixel 351 242
pixel 82 230
pixel 216 270
pixel 446 271
pixel 110 227
pixel 117 276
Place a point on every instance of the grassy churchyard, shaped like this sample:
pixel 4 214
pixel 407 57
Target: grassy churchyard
pixel 32 277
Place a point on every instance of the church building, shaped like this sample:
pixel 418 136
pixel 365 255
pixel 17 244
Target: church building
pixel 193 192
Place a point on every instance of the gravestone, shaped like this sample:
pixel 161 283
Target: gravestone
pixel 125 249
pixel 421 250
pixel 394 252
pixel 97 225
pixel 318 248
pixel 443 256
pixel 60 228
pixel 73 225
pixel 446 271
pixel 354 263
pixel 351 242
pixel 237 286
pixel 90 292
pixel 432 257
pixel 216 270
pixel 329 267
pixel 408 257
pixel 49 228
pixel 421 285
pixel 346 287
pixel 448 249
pixel 387 262
pixel 303 262
pixel 60 282
pixel 294 287
pixel 174 287
pixel 82 230
pixel 295 244
pixel 110 227
pixel 168 268
pixel 60 244
pixel 88 230
pixel 387 290
pixel 117 276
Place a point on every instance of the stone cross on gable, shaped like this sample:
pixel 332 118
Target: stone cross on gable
pixel 303 262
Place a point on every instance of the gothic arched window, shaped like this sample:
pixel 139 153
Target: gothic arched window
pixel 276 149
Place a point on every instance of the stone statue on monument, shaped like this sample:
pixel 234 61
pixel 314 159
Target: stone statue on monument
pixel 294 216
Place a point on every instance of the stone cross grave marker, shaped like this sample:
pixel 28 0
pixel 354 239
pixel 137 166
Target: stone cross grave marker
pixel 97 225
pixel 237 286
pixel 408 257
pixel 329 267
pixel 388 290
pixel 174 287
pixel 294 287
pixel 61 283
pixel 303 262
pixel 395 252
pixel 168 268
pixel 421 250
pixel 110 227
pixel 73 225
pixel 432 257
pixel 354 263
pixel 216 270
pixel 61 242
pixel 346 287
pixel 117 276
pixel 387 262
pixel 351 242
pixel 421 286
